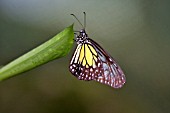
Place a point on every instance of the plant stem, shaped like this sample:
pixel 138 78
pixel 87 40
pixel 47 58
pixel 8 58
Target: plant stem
pixel 54 48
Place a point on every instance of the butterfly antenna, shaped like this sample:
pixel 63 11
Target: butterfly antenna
pixel 77 20
pixel 84 20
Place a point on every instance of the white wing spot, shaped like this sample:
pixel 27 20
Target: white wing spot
pixel 71 67
pixel 73 70
pixel 91 69
pixel 98 64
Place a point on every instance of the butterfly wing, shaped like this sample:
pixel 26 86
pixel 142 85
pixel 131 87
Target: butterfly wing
pixel 110 72
pixel 83 62
pixel 91 62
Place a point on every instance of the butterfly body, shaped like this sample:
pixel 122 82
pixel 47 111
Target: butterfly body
pixel 91 62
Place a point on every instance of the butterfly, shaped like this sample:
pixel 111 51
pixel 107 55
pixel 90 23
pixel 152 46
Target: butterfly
pixel 91 62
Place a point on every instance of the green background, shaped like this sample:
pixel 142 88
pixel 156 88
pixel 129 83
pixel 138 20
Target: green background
pixel 135 32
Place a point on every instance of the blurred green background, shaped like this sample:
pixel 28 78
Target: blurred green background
pixel 135 32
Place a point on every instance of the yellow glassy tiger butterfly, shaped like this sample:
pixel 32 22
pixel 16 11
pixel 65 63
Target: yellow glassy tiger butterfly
pixel 91 62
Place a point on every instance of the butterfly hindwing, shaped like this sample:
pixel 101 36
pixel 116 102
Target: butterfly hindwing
pixel 111 73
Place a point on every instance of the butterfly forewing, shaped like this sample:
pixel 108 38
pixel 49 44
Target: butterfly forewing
pixel 91 62
pixel 83 62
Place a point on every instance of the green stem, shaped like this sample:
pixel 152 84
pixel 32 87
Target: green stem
pixel 54 48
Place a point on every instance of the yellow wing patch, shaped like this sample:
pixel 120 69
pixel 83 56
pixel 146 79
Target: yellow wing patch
pixel 86 55
pixel 89 55
pixel 81 53
pixel 84 62
pixel 93 50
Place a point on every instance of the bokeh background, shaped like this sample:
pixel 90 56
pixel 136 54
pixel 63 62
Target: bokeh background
pixel 135 32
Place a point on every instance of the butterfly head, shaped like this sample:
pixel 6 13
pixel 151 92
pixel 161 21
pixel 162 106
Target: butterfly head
pixel 81 37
